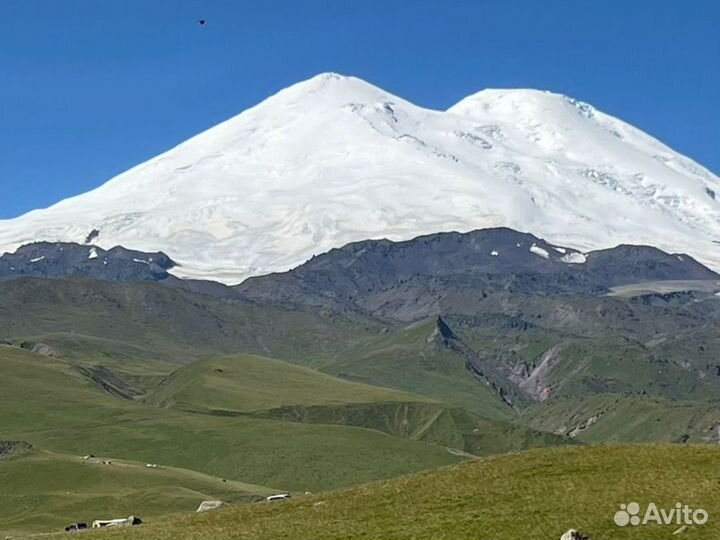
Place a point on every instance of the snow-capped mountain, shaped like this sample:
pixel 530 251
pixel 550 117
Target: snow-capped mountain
pixel 334 159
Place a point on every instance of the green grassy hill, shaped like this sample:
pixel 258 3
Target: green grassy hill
pixel 347 401
pixel 246 383
pixel 127 338
pixel 537 494
pixel 414 359
pixel 241 418
pixel 44 491
pixel 627 418
pixel 165 323
pixel 48 403
pixel 243 385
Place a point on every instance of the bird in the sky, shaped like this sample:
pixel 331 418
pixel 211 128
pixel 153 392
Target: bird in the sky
pixel 202 22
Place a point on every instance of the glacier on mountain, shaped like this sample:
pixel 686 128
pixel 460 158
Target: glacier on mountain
pixel 335 159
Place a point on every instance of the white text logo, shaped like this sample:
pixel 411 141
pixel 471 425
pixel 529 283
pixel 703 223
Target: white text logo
pixel 680 514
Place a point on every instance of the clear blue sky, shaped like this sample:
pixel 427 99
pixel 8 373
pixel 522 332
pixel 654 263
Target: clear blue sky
pixel 89 88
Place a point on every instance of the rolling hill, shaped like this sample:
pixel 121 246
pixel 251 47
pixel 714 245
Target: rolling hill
pixel 48 403
pixel 537 494
pixel 43 491
pixel 257 387
pixel 627 418
pixel 168 323
pixel 215 426
pixel 246 383
pixel 494 351
pixel 417 358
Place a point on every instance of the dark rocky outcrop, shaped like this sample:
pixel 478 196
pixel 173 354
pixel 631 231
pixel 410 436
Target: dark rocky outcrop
pixel 425 276
pixel 58 260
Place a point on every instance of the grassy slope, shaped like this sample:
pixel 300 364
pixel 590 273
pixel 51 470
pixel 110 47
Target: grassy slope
pixel 46 491
pixel 250 383
pixel 140 367
pixel 535 494
pixel 621 365
pixel 45 402
pixel 410 359
pixel 143 330
pixel 622 418
pixel 606 363
pixel 271 389
pixel 175 325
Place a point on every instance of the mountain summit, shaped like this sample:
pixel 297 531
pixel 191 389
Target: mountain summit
pixel 334 159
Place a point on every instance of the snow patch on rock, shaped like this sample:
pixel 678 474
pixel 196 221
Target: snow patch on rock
pixel 537 250
pixel 574 258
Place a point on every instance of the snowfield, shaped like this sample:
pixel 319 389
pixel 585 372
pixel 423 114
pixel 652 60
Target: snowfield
pixel 334 159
